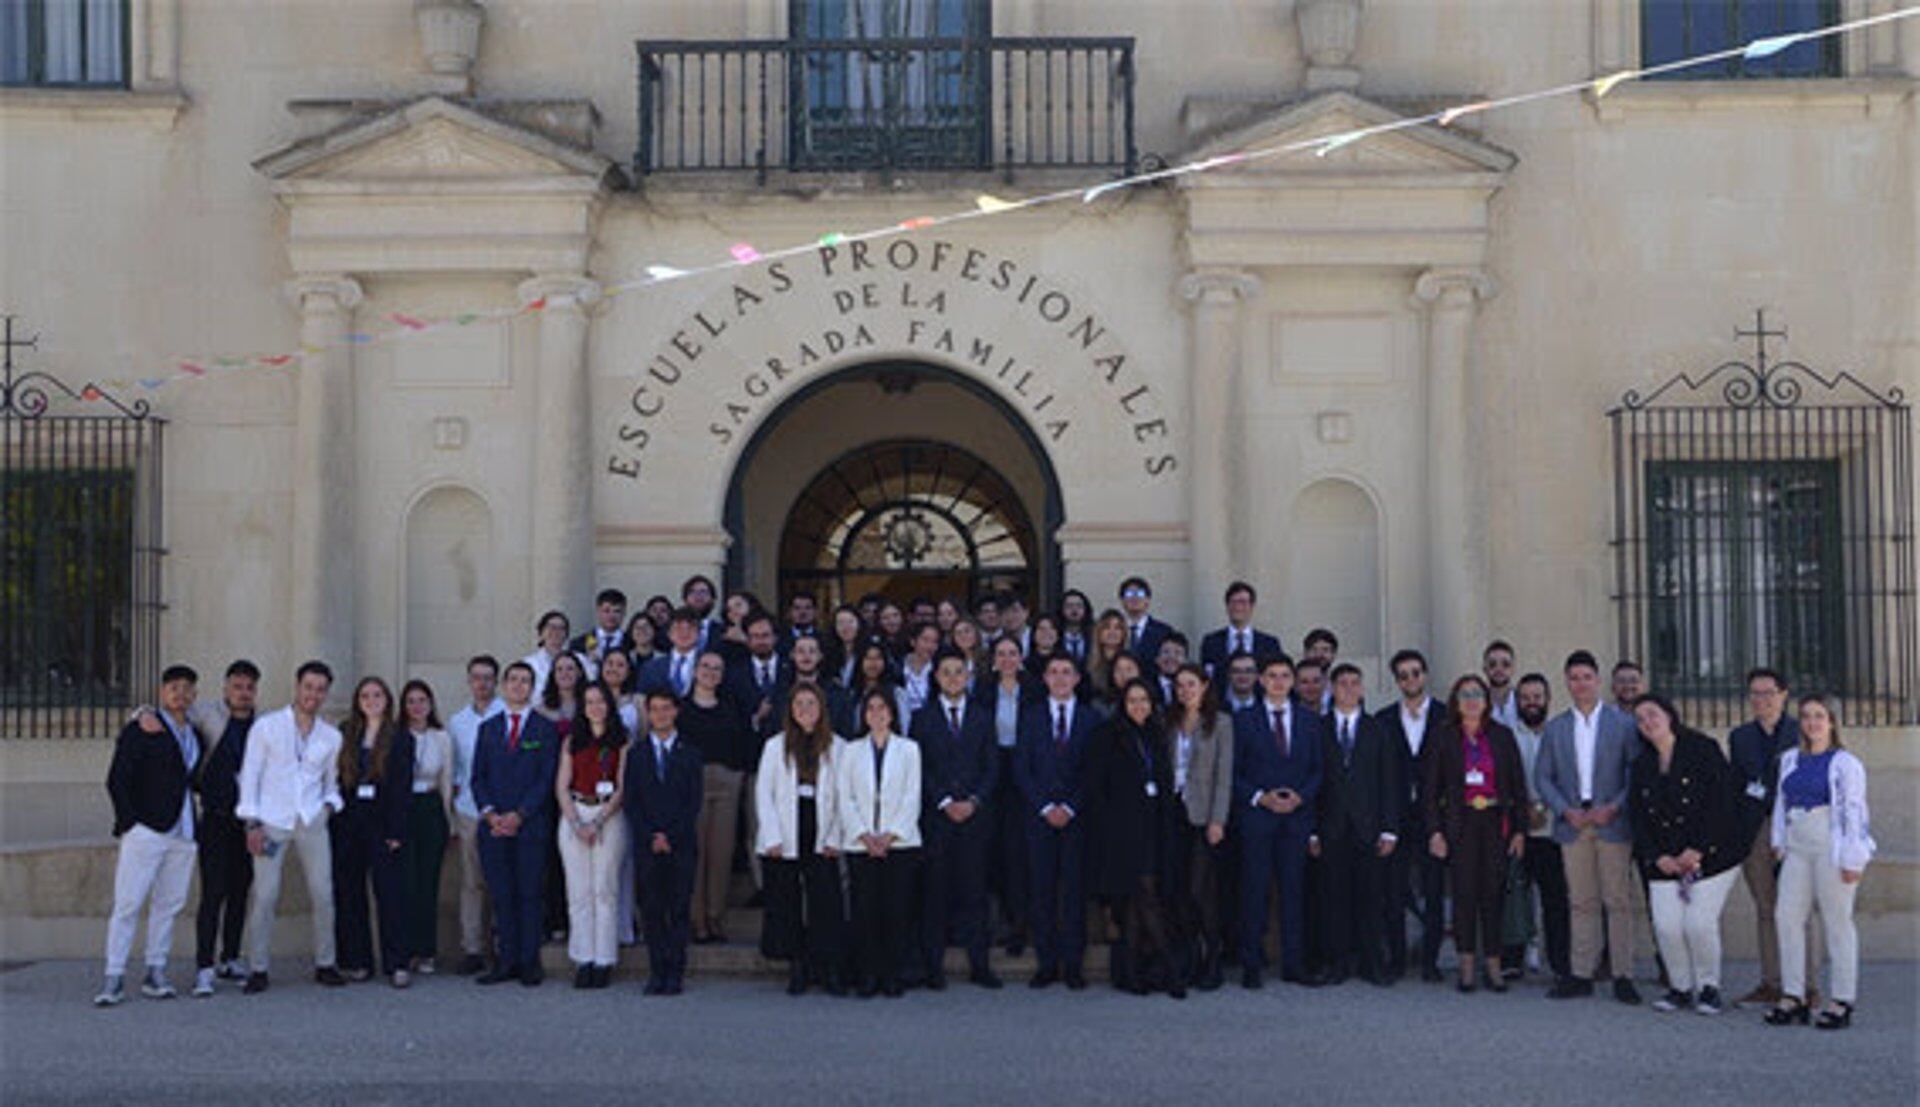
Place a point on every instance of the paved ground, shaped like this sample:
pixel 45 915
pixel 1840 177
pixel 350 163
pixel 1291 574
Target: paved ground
pixel 741 1041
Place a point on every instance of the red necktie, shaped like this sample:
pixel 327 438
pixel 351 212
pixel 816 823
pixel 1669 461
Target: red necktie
pixel 513 734
pixel 1280 730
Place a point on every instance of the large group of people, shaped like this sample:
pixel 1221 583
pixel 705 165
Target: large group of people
pixel 906 778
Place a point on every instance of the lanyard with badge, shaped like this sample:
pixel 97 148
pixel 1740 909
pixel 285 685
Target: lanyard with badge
pixel 1146 761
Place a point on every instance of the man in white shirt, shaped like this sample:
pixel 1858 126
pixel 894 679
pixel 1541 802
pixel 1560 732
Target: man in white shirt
pixel 153 817
pixel 1416 880
pixel 552 632
pixel 289 788
pixel 483 676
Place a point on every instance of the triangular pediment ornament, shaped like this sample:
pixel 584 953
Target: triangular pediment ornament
pixel 431 139
pixel 1423 150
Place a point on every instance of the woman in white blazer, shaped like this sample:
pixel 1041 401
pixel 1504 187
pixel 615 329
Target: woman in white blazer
pixel 1820 836
pixel 880 832
pixel 796 797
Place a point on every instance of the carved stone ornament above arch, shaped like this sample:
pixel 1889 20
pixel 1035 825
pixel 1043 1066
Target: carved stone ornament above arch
pixel 1414 197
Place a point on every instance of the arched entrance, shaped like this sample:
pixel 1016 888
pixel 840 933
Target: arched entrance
pixel 897 478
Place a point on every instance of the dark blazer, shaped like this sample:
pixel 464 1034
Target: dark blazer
pixel 217 776
pixel 656 674
pixel 1362 795
pixel 1258 766
pixel 1213 648
pixel 962 765
pixel 522 781
pixel 1756 767
pixel 147 780
pixel 1444 790
pixel 1690 806
pixel 1151 636
pixel 744 685
pixel 670 806
pixel 392 790
pixel 1041 773
pixel 1131 832
pixel 1412 775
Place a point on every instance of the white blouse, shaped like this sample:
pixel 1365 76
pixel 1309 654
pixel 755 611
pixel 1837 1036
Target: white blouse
pixel 432 762
pixel 1853 846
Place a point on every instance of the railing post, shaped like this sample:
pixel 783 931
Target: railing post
pixel 643 156
pixel 1133 157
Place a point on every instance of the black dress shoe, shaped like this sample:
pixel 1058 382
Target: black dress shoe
pixel 1570 987
pixel 936 981
pixel 868 989
pixel 1177 992
pixel 1074 980
pixel 531 978
pixel 797 980
pixel 674 987
pixel 985 979
pixel 1625 992
pixel 654 987
pixel 835 986
pixel 583 977
pixel 471 963
pixel 1250 980
pixel 256 983
pixel 1303 979
pixel 1431 974
pixel 499 974
pixel 1466 987
pixel 329 977
pixel 893 989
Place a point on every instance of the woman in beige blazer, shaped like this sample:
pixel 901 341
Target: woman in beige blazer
pixel 1200 741
pixel 880 833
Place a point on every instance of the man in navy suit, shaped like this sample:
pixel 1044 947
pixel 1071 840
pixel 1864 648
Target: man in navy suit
pixel 671 670
pixel 1239 635
pixel 1047 769
pixel 515 759
pixel 1276 781
pixel 958 755
pixel 1416 880
pixel 663 806
pixel 1144 632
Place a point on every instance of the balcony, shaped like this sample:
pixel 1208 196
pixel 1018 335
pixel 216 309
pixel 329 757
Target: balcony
pixel 886 106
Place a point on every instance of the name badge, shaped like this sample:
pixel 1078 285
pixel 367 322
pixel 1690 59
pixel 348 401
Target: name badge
pixel 1475 778
pixel 365 792
pixel 1756 790
pixel 1153 789
pixel 806 791
pixel 603 789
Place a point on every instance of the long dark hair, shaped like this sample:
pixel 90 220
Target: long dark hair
pixel 1209 699
pixel 1453 703
pixel 353 731
pixel 433 709
pixel 804 748
pixel 550 695
pixel 885 696
pixel 580 735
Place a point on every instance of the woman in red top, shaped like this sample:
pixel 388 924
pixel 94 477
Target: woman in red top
pixel 1476 799
pixel 593 836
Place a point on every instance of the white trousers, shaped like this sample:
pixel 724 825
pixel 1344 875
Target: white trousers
pixel 1688 931
pixel 593 886
pixel 152 866
pixel 316 861
pixel 1808 877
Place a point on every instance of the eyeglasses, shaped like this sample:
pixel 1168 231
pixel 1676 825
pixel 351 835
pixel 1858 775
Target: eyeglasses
pixel 1134 594
pixel 1409 674
pixel 1471 694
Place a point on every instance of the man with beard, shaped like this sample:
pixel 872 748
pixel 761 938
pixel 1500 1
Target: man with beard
pixel 1497 665
pixel 1545 874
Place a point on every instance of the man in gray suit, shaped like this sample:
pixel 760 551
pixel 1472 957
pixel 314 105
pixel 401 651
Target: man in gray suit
pixel 1581 775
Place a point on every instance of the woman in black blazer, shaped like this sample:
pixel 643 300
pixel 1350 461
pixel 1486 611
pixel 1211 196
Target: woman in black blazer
pixel 1686 836
pixel 1476 818
pixel 376 781
pixel 1131 811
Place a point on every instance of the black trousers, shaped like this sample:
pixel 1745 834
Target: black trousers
pixel 1149 957
pixel 360 854
pixel 1353 880
pixel 955 881
pixel 666 902
pixel 226 875
pixel 421 858
pixel 1477 864
pixel 883 913
pixel 1417 883
pixel 1008 876
pixel 805 920
pixel 1548 876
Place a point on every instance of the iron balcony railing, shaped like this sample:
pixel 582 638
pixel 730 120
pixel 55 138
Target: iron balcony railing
pixel 853 105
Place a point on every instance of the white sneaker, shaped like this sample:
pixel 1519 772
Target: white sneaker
pixel 401 978
pixel 426 967
pixel 156 985
pixel 203 983
pixel 111 993
pixel 235 969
